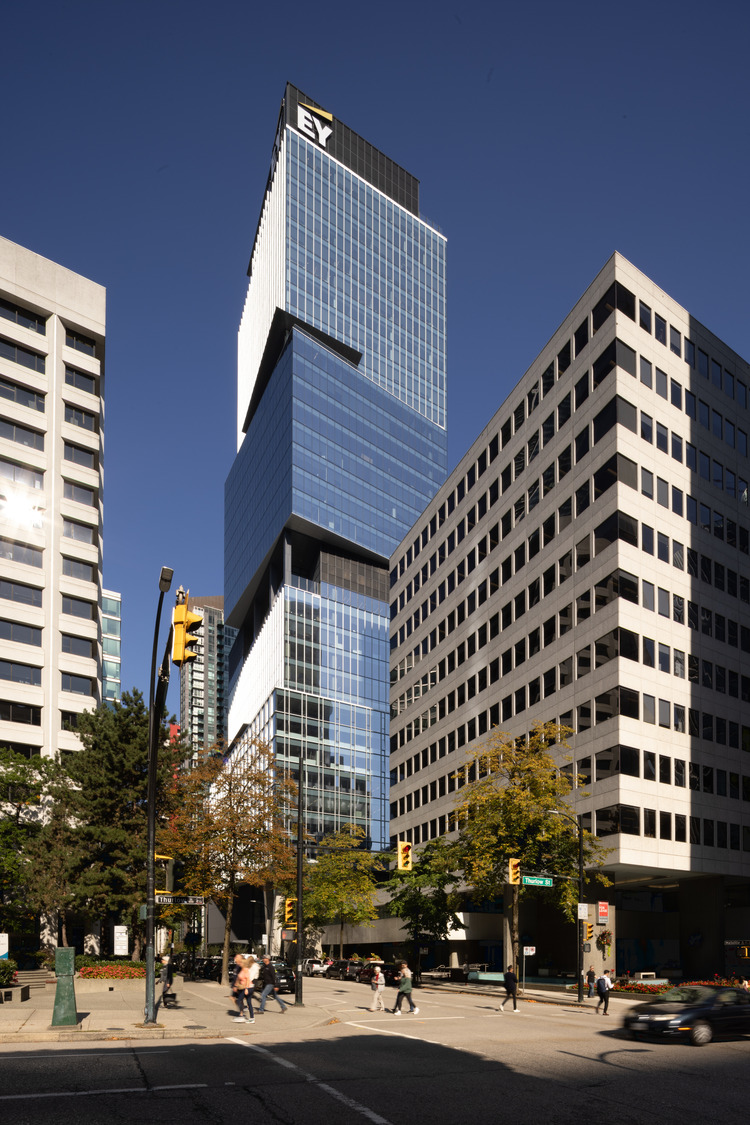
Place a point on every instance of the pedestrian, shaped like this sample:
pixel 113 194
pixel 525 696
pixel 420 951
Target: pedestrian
pixel 511 988
pixel 269 980
pixel 166 976
pixel 603 985
pixel 742 983
pixel 591 980
pixel 377 984
pixel 243 991
pixel 404 979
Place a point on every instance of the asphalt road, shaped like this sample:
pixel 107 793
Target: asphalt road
pixel 457 1062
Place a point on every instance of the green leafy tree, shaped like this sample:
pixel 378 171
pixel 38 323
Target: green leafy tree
pixel 341 885
pixel 53 857
pixel 228 825
pixel 425 898
pixel 108 807
pixel 511 797
pixel 23 784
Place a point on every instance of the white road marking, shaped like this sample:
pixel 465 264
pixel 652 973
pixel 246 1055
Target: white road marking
pixel 398 1034
pixel 350 1103
pixel 114 1090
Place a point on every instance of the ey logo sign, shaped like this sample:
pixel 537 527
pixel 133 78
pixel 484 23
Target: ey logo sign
pixel 312 122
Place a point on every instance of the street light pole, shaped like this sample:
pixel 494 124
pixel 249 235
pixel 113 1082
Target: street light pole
pixel 300 929
pixel 155 704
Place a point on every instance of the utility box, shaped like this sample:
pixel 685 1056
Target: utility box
pixel 64 1013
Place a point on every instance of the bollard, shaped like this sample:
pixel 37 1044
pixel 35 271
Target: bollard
pixel 64 1014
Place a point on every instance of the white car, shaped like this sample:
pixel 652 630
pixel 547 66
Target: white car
pixel 312 967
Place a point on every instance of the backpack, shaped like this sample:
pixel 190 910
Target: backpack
pixel 602 986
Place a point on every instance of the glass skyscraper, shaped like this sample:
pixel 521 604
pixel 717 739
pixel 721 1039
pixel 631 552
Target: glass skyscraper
pixel 341 442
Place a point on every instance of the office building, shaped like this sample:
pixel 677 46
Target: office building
pixel 203 681
pixel 52 324
pixel 341 442
pixel 587 562
pixel 111 642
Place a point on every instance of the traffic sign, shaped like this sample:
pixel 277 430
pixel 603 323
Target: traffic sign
pixel 529 950
pixel 179 900
pixel 537 880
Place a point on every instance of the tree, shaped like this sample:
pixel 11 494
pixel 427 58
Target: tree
pixel 53 857
pixel 108 806
pixel 512 793
pixel 425 898
pixel 228 825
pixel 23 783
pixel 341 885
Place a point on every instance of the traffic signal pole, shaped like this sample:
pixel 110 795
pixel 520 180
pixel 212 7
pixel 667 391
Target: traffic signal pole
pixel 300 915
pixel 156 700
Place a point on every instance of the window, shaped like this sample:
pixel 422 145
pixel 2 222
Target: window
pixel 77 417
pixel 21 474
pixel 14 392
pixel 81 532
pixel 77 607
pixel 13 712
pixel 16 314
pixel 20 634
pixel 78 456
pixel 77 646
pixel 20 552
pixel 80 342
pixel 20 673
pixel 80 380
pixel 16 353
pixel 20 592
pixel 22 435
pixel 78 685
pixel 74 568
pixel 80 494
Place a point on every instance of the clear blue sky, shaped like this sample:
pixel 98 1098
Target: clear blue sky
pixel 136 144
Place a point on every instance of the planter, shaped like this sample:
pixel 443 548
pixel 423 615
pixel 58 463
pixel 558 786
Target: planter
pixel 14 993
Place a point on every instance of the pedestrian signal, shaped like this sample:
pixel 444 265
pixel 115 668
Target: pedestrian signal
pixel 186 625
pixel 404 855
pixel 514 872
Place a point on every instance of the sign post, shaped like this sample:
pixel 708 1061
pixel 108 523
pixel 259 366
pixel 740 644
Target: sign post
pixel 528 951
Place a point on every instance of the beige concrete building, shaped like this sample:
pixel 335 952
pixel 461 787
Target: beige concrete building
pixel 52 327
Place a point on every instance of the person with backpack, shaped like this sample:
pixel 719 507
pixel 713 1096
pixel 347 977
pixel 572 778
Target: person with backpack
pixel 603 985
pixel 404 990
pixel 377 984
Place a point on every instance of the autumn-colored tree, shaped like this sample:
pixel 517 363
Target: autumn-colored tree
pixel 341 885
pixel 228 825
pixel 511 797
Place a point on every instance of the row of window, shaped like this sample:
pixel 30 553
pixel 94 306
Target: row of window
pixel 626 760
pixel 35 400
pixel 19 633
pixel 626 819
pixel 18 673
pixel 16 314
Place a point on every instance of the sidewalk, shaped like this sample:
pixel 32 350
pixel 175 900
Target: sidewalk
pixel 108 1010
pixel 205 1010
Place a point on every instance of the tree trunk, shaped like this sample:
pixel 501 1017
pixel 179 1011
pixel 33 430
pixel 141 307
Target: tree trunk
pixel 514 926
pixel 227 934
pixel 64 929
pixel 341 939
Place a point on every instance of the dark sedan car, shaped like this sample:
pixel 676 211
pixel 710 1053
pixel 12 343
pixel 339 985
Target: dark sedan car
pixel 285 976
pixel 390 972
pixel 344 970
pixel 698 1012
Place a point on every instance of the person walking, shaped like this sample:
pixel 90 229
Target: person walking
pixel 603 985
pixel 404 979
pixel 377 984
pixel 591 980
pixel 243 991
pixel 269 980
pixel 511 988
pixel 166 976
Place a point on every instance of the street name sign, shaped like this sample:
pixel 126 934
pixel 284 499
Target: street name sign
pixel 537 880
pixel 179 900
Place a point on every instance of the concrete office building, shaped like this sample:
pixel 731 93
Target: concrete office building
pixel 51 447
pixel 341 442
pixel 587 562
pixel 203 681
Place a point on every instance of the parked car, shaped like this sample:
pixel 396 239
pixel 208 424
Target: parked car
pixel 344 970
pixel 313 967
pixel 698 1012
pixel 285 976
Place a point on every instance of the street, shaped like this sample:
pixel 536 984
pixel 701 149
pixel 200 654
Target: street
pixel 457 1061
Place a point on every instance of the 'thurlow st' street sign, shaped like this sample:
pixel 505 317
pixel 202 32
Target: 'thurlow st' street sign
pixel 537 880
pixel 179 900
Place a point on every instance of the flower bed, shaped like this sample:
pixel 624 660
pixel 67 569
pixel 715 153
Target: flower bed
pixel 8 970
pixel 113 970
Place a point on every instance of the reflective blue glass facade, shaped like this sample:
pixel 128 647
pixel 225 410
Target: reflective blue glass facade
pixel 343 401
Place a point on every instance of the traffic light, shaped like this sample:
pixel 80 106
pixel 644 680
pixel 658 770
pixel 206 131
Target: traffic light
pixel 290 912
pixel 404 855
pixel 589 930
pixel 186 625
pixel 514 872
